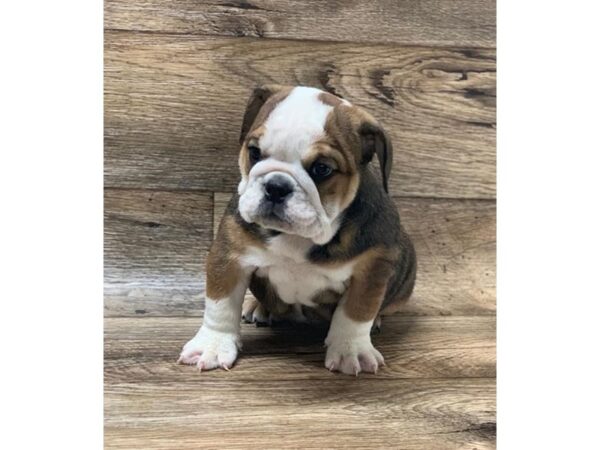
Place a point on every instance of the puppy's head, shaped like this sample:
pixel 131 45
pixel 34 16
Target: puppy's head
pixel 303 153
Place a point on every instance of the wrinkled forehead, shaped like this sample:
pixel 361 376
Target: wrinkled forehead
pixel 296 123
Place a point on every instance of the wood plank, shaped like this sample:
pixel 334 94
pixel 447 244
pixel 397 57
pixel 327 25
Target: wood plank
pixel 456 253
pixel 173 108
pixel 475 437
pixel 455 242
pixel 424 22
pixel 145 349
pixel 154 248
pixel 343 412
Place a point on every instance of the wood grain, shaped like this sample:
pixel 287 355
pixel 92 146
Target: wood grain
pixel 348 412
pixel 173 107
pixel 424 22
pixel 154 249
pixel 145 349
pixel 343 436
pixel 456 251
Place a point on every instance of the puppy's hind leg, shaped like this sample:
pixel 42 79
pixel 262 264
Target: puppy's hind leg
pixel 254 312
pixel 376 327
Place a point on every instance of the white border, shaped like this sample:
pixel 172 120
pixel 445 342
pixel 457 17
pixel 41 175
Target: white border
pixel 51 224
pixel 548 224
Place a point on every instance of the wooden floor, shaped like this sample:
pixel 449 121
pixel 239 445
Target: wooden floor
pixel 177 75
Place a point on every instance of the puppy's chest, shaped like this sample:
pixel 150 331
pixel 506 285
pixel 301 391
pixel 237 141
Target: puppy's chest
pixel 294 277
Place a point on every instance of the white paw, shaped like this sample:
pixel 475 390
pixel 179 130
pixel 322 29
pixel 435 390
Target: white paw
pixel 352 356
pixel 210 349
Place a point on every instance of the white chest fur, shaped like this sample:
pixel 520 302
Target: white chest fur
pixel 295 279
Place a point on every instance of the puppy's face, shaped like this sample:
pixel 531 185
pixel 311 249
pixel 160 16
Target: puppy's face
pixel 301 160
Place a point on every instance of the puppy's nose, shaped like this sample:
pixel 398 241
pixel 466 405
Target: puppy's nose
pixel 277 189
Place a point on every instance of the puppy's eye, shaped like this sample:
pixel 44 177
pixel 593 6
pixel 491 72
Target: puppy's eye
pixel 253 154
pixel 320 171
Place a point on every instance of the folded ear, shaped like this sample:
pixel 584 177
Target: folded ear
pixel 374 140
pixel 256 101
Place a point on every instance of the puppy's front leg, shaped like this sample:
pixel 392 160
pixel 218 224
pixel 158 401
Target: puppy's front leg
pixel 349 347
pixel 218 340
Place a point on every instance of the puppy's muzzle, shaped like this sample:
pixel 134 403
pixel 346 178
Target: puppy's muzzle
pixel 278 188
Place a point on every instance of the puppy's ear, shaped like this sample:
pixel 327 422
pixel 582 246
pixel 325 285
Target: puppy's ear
pixel 374 140
pixel 256 101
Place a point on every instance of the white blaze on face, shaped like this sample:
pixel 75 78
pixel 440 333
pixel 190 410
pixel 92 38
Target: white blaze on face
pixel 295 124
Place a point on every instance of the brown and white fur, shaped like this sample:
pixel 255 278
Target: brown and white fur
pixel 312 231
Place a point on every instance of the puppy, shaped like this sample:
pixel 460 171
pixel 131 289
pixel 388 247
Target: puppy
pixel 312 231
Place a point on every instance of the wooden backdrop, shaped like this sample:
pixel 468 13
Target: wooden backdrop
pixel 177 76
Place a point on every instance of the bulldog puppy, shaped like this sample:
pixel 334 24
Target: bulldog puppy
pixel 311 231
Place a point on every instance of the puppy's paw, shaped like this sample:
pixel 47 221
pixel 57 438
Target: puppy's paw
pixel 352 356
pixel 210 349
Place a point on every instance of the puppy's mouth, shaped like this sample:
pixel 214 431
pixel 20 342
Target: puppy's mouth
pixel 278 217
pixel 273 213
pixel 273 216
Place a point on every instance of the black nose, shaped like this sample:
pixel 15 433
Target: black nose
pixel 277 189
